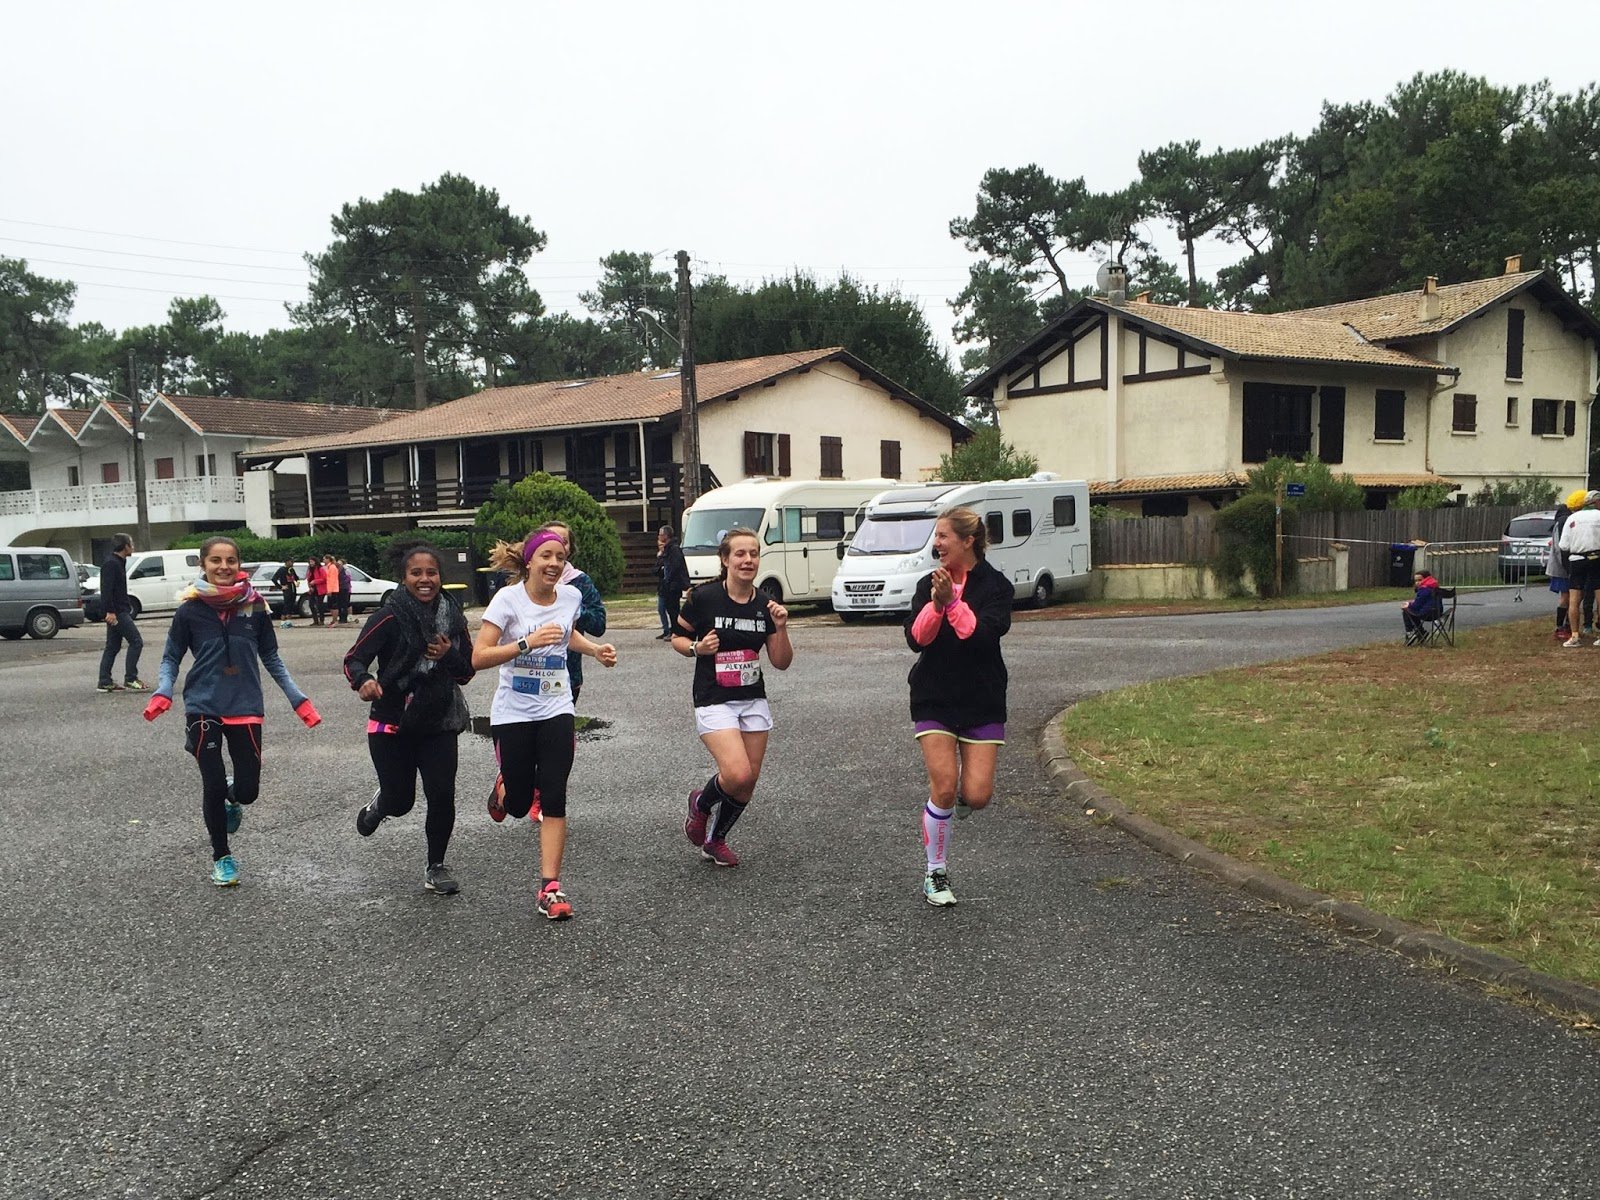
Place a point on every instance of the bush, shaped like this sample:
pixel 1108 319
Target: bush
pixel 513 510
pixel 985 456
pixel 369 551
pixel 1533 492
pixel 1246 531
pixel 1325 491
pixel 1429 495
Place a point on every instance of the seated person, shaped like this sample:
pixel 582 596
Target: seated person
pixel 1424 606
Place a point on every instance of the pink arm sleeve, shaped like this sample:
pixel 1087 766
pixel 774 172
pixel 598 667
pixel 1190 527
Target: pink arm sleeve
pixel 962 619
pixel 926 627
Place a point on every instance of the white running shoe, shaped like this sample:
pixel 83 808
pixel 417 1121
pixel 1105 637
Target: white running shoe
pixel 936 888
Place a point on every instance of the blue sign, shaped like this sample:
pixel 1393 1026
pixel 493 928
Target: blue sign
pixel 1295 489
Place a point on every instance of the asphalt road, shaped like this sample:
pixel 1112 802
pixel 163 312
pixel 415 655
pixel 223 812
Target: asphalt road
pixel 1092 1020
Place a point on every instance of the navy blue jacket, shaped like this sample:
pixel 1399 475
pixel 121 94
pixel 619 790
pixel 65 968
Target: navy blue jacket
pixel 114 585
pixel 225 680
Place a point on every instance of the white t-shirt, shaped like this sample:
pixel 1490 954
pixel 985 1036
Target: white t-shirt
pixel 533 686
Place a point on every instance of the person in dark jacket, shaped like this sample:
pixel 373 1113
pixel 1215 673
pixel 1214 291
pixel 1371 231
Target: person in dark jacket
pixel 1424 606
pixel 960 612
pixel 672 580
pixel 344 590
pixel 419 643
pixel 287 580
pixel 120 625
pixel 224 623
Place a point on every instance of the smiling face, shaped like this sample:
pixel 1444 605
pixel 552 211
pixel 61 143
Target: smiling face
pixel 221 564
pixel 950 547
pixel 743 557
pixel 545 566
pixel 422 577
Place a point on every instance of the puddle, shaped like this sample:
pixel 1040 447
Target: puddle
pixel 590 729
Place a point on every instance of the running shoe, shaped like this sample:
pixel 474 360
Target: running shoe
pixel 936 888
pixel 1572 642
pixel 963 809
pixel 720 853
pixel 438 879
pixel 109 687
pixel 694 825
pixel 225 872
pixel 235 814
pixel 136 685
pixel 497 799
pixel 553 902
pixel 536 811
pixel 369 818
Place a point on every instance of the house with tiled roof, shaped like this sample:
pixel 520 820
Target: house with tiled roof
pixel 1161 408
pixel 81 470
pixel 808 414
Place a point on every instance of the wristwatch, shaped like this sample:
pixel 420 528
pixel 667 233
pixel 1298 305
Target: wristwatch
pixel 522 644
pixel 694 648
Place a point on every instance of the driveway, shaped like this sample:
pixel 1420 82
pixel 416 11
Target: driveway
pixel 1091 1020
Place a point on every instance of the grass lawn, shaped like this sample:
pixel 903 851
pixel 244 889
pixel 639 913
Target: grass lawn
pixel 1455 789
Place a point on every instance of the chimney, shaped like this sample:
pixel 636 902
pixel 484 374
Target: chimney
pixel 1430 307
pixel 1117 284
pixel 1513 264
pixel 1142 298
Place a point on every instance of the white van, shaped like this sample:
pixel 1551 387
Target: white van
pixel 803 525
pixel 155 577
pixel 1038 538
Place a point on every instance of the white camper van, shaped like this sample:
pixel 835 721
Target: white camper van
pixel 803 525
pixel 1038 538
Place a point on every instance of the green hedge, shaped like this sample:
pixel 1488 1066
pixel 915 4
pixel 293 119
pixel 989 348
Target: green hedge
pixel 369 551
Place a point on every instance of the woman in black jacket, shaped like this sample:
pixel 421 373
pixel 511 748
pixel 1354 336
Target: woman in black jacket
pixel 423 654
pixel 672 581
pixel 958 684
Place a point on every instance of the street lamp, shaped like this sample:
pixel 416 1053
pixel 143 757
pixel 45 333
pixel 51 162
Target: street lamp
pixel 141 504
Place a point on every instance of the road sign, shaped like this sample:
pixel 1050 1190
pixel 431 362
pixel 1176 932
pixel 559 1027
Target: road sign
pixel 1295 489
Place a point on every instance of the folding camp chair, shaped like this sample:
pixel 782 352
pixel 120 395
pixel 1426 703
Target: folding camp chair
pixel 1441 630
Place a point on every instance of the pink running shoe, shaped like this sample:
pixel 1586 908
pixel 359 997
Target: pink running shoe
pixel 553 902
pixel 497 799
pixel 536 813
pixel 694 825
pixel 720 853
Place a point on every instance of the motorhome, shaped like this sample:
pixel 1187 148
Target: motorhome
pixel 804 526
pixel 1038 532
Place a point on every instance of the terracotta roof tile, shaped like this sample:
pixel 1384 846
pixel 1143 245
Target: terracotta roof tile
pixel 1280 337
pixel 19 425
pixel 274 418
pixel 1400 480
pixel 1387 318
pixel 1204 481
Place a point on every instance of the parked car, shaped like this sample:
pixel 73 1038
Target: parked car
pixel 261 579
pixel 1525 545
pixel 366 591
pixel 39 592
pixel 88 578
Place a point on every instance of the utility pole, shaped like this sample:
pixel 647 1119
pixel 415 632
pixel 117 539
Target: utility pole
pixel 142 505
pixel 690 416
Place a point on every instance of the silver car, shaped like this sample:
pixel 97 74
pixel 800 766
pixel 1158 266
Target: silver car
pixel 1525 546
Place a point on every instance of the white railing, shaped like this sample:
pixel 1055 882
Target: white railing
pixel 121 497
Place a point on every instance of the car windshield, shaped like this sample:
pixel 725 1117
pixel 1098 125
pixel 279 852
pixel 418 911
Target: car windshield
pixel 1530 527
pixel 357 574
pixel 703 530
pixel 892 535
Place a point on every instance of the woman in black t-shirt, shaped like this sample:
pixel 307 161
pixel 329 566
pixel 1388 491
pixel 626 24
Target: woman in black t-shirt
pixel 723 628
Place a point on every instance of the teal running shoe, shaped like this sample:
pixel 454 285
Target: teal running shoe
pixel 225 872
pixel 235 815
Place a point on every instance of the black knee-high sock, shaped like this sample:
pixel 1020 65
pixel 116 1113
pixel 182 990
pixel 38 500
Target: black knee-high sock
pixel 711 795
pixel 730 812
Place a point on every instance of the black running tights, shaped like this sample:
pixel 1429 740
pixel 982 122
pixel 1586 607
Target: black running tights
pixel 203 738
pixel 399 759
pixel 536 754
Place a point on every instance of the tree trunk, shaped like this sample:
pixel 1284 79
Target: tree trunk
pixel 1194 286
pixel 419 354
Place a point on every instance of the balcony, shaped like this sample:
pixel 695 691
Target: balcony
pixel 99 505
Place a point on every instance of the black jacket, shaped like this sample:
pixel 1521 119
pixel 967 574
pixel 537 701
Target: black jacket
pixel 962 682
pixel 672 572
pixel 114 585
pixel 382 642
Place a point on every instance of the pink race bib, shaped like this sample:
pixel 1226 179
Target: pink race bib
pixel 738 668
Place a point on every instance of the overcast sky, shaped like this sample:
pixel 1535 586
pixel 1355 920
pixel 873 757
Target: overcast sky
pixel 149 145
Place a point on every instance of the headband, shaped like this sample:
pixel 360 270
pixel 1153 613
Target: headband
pixel 537 539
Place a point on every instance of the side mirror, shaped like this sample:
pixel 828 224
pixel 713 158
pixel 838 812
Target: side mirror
pixel 839 550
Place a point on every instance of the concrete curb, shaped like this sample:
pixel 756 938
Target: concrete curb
pixel 1433 948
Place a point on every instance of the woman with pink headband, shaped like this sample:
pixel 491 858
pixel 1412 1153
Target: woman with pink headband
pixel 528 632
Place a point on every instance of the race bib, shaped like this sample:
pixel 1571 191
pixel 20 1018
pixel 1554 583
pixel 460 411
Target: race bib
pixel 539 674
pixel 738 668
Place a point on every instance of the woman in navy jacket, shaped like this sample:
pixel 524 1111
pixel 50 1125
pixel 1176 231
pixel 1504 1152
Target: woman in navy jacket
pixel 960 612
pixel 226 626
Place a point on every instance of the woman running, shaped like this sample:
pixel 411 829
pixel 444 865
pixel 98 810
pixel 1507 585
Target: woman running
pixel 528 632
pixel 423 653
pixel 728 623
pixel 960 612
pixel 226 625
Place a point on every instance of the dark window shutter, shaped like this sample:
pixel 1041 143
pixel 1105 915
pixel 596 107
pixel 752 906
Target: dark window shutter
pixel 1571 419
pixel 1515 318
pixel 751 466
pixel 889 459
pixel 1330 427
pixel 783 454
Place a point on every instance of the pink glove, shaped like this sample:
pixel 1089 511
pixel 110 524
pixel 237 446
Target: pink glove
pixel 157 706
pixel 308 713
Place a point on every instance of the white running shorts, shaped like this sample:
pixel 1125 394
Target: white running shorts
pixel 747 716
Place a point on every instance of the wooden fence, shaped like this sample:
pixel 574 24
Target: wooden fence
pixel 1369 535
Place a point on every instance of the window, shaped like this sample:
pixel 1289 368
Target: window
pixel 1277 420
pixel 150 568
pixel 164 468
pixel 110 473
pixel 1164 506
pixel 889 459
pixel 1511 410
pixel 1545 415
pixel 1065 514
pixel 830 525
pixel 1464 415
pixel 205 464
pixel 72 477
pixel 996 523
pixel 832 458
pixel 1569 421
pixel 5 568
pixel 1515 318
pixel 791 526
pixel 1021 523
pixel 1389 416
pixel 41 566
pixel 760 453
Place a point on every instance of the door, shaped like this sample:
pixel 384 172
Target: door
pixel 13 609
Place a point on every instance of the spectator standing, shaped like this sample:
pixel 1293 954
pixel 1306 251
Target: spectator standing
pixel 1580 542
pixel 315 585
pixel 330 587
pixel 287 580
pixel 120 625
pixel 672 581
pixel 344 590
pixel 1555 567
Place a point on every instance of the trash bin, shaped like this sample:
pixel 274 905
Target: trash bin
pixel 1401 556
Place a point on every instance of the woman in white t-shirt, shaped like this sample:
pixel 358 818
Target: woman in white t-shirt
pixel 528 632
